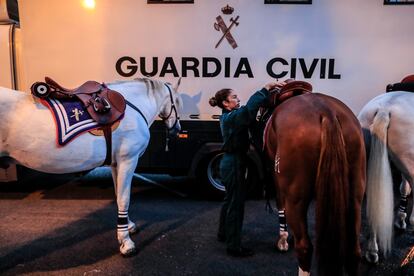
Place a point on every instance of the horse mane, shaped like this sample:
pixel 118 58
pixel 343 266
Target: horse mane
pixel 152 85
pixel 157 85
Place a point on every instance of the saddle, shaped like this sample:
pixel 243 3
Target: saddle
pixel 290 89
pixel 407 84
pixel 105 106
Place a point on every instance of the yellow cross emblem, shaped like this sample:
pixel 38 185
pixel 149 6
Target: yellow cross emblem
pixel 76 113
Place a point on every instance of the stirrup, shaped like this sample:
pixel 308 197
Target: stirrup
pixel 101 101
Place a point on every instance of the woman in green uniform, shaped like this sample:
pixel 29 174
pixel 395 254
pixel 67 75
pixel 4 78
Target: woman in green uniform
pixel 234 124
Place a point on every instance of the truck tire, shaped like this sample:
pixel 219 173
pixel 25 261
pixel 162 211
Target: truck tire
pixel 209 173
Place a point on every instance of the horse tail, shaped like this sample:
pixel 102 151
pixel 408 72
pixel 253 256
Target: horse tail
pixel 379 191
pixel 332 199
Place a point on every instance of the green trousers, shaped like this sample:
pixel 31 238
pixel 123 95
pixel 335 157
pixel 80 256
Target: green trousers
pixel 232 169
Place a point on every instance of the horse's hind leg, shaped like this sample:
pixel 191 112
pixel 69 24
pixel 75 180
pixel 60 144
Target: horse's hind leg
pixel 354 219
pixel 282 240
pixel 124 173
pixel 296 212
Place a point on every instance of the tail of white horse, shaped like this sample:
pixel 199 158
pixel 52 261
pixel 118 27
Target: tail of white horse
pixel 380 203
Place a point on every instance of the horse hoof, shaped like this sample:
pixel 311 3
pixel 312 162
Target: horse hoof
pixel 410 228
pixel 127 249
pixel 129 253
pixel 401 225
pixel 282 245
pixel 371 258
pixel 303 273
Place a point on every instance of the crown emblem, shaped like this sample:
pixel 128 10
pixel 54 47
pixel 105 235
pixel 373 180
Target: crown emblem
pixel 227 9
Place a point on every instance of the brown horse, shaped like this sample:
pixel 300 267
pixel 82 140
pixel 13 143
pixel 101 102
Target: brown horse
pixel 316 147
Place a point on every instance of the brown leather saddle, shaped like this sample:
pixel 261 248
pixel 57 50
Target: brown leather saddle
pixel 277 96
pixel 290 89
pixel 104 105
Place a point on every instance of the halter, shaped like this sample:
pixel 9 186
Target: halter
pixel 173 108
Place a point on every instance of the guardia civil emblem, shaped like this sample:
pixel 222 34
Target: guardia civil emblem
pixel 220 25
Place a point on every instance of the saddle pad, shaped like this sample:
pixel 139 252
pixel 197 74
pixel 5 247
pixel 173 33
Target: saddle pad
pixel 71 119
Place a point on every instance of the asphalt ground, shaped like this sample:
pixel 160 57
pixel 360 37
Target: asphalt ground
pixel 66 225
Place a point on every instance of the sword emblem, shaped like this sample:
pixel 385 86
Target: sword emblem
pixel 220 25
pixel 76 113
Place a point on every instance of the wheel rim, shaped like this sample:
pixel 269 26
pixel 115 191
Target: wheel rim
pixel 213 172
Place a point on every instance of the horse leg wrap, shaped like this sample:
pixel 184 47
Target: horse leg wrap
pixel 282 221
pixel 403 204
pixel 282 243
pixel 122 227
pixel 401 214
pixel 127 246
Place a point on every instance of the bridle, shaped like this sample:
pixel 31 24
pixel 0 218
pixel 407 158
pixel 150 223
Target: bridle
pixel 173 109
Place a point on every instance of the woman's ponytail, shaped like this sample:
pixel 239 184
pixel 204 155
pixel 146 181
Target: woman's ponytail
pixel 220 96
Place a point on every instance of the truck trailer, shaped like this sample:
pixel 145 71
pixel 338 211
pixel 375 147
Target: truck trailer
pixel 347 49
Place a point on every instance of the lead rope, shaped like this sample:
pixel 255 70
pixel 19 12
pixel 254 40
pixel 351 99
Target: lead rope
pixel 268 207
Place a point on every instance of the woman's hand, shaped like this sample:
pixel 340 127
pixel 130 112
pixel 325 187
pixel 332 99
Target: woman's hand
pixel 274 85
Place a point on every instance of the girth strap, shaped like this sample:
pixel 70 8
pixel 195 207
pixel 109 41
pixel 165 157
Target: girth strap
pixel 108 139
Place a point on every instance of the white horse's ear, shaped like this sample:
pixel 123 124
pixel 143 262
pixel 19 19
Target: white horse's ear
pixel 177 85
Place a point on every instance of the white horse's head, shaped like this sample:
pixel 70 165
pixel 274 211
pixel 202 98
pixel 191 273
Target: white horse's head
pixel 170 108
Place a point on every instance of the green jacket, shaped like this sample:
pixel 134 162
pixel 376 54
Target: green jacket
pixel 234 124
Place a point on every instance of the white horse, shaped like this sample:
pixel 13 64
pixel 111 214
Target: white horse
pixel 27 137
pixel 388 126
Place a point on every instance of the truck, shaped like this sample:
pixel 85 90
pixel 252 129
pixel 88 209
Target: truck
pixel 347 49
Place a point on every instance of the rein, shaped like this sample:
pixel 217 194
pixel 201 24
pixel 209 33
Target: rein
pixel 167 129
